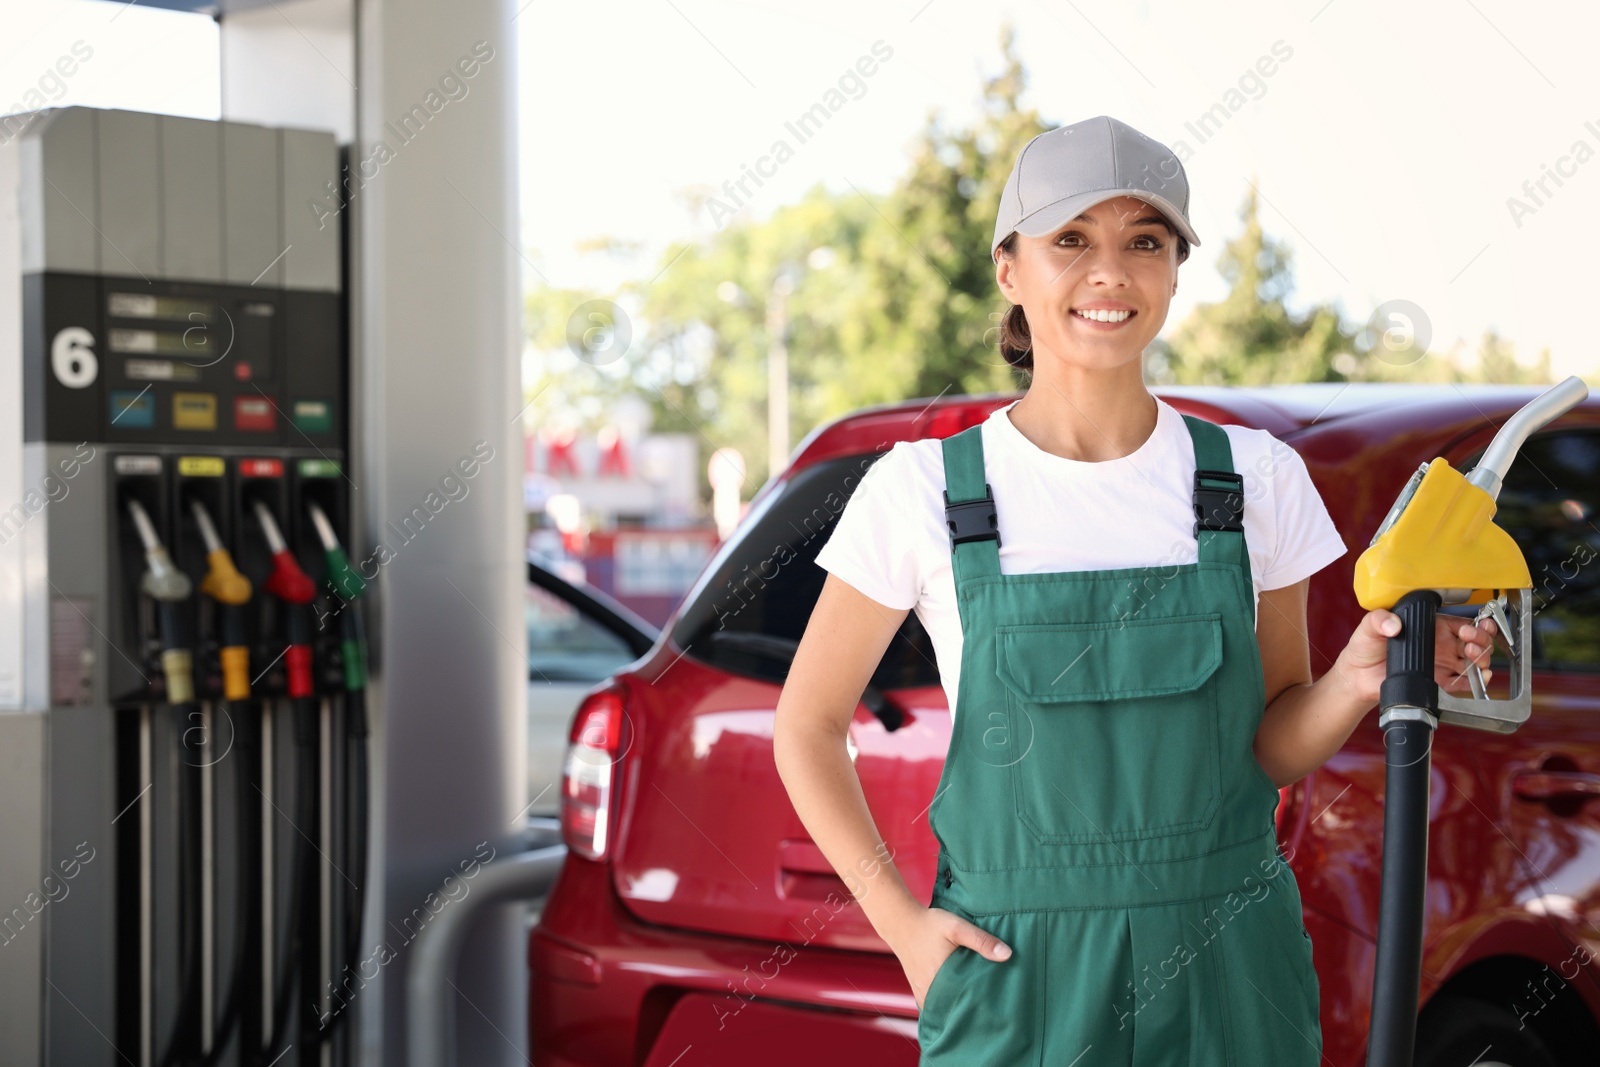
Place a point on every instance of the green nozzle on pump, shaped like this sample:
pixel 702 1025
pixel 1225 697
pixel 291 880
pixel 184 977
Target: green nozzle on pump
pixel 343 577
pixel 349 585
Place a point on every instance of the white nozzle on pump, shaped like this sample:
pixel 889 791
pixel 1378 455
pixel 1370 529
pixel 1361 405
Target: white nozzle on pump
pixel 163 580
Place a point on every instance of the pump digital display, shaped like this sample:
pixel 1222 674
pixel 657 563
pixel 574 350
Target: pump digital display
pixel 166 308
pixel 196 345
pixel 160 370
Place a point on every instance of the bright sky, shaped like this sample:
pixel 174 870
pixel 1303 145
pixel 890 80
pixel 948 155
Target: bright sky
pixel 1385 143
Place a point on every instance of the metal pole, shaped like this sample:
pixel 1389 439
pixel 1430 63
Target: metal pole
pixel 526 876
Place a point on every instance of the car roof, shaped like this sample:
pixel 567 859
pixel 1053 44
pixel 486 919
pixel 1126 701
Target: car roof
pixel 1282 410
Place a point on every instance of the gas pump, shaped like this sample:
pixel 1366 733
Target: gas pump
pixel 1438 545
pixel 180 654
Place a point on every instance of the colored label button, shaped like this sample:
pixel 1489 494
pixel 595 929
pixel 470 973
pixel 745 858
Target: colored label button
pixel 137 464
pixel 312 416
pixel 319 468
pixel 201 466
pixel 254 413
pixel 261 468
pixel 133 409
pixel 194 411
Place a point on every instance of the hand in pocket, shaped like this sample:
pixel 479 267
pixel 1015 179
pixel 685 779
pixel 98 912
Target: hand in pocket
pixel 937 936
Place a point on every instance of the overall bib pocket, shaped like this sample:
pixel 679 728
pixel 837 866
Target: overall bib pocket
pixel 1114 730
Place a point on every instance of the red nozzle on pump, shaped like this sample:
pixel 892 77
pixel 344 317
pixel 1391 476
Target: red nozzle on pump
pixel 297 667
pixel 288 582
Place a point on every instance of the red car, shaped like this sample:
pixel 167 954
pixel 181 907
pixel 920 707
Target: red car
pixel 696 923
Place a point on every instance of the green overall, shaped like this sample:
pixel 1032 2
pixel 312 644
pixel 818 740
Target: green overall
pixel 1102 812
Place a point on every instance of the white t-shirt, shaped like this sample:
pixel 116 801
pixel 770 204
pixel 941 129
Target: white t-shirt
pixel 1058 514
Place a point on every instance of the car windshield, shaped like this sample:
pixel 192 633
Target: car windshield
pixel 748 614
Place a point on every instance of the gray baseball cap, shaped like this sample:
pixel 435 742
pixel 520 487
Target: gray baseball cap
pixel 1065 171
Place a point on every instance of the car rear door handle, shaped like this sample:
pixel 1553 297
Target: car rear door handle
pixel 1552 785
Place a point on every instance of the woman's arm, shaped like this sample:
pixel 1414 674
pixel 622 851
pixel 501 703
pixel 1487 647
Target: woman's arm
pixel 841 647
pixel 1306 722
pixel 844 640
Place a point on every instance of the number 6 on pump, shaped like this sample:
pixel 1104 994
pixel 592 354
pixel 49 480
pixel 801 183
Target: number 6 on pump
pixel 72 358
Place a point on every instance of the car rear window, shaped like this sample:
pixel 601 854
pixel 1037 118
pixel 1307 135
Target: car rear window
pixel 747 617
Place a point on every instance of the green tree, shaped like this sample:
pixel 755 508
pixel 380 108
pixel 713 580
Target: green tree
pixel 1497 362
pixel 905 307
pixel 1250 337
pixel 938 308
pixel 894 297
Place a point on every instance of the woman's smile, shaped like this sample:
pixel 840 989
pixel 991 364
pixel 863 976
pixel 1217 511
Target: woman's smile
pixel 1102 320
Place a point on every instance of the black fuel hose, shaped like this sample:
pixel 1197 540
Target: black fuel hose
pixel 357 759
pixel 357 811
pixel 302 885
pixel 1410 705
pixel 183 1039
pixel 246 962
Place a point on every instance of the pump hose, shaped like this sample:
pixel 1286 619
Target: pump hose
pixel 357 757
pixel 357 812
pixel 302 878
pixel 1408 744
pixel 182 1040
pixel 357 815
pixel 249 858
pixel 357 809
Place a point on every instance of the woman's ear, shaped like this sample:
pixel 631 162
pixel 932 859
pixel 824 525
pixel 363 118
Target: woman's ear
pixel 1002 276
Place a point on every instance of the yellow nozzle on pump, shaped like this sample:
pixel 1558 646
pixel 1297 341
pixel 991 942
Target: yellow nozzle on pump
pixel 223 582
pixel 1444 539
pixel 235 672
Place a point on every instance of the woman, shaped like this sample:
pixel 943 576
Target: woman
pixel 1116 595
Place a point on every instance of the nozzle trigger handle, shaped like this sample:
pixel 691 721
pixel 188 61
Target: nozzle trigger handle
pixel 223 582
pixel 287 581
pixel 343 577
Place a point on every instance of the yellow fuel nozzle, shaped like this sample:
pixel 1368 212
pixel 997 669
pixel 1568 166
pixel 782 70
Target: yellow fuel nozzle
pixel 1440 535
pixel 224 584
pixel 1443 538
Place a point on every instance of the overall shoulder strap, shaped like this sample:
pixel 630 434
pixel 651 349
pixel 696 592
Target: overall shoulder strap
pixel 969 511
pixel 1218 497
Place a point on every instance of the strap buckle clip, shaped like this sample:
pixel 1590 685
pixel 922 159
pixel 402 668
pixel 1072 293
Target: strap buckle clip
pixel 972 520
pixel 1218 507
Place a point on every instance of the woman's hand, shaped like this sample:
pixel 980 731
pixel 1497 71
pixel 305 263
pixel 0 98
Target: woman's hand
pixel 930 940
pixel 1457 641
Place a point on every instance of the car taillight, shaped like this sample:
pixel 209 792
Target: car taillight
pixel 588 785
